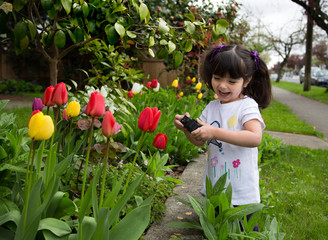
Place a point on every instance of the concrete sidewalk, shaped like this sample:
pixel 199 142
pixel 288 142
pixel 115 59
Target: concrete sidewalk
pixel 310 111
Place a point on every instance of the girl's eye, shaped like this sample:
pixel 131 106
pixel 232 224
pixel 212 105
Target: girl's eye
pixel 232 82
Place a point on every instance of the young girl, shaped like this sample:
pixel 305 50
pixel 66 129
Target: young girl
pixel 232 125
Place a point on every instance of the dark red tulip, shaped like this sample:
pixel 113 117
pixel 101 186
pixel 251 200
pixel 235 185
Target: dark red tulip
pixel 154 83
pixel 59 95
pixel 160 141
pixel 145 119
pixel 47 95
pixel 130 94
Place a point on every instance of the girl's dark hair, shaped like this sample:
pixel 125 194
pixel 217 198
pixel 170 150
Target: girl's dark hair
pixel 239 63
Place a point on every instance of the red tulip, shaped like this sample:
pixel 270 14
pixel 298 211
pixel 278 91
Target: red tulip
pixel 65 116
pixel 145 119
pixel 47 95
pixel 148 84
pixel 130 94
pixel 154 83
pixel 156 116
pixel 96 105
pixel 109 126
pixel 148 119
pixel 160 141
pixel 59 95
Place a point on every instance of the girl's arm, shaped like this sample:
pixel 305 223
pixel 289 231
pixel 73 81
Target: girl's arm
pixel 251 136
pixel 180 126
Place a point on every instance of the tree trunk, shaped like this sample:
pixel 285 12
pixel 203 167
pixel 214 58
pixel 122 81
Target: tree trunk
pixel 279 72
pixel 308 53
pixel 53 68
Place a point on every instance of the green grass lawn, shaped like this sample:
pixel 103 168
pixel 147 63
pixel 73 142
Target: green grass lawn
pixel 317 93
pixel 279 117
pixel 297 188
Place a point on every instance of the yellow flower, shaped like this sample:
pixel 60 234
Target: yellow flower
pixel 175 83
pixel 200 95
pixel 181 94
pixel 40 127
pixel 73 109
pixel 198 86
pixel 188 78
pixel 193 79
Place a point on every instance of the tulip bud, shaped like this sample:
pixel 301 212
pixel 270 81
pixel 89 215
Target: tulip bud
pixel 175 83
pixel 109 126
pixel 160 141
pixel 37 104
pixel 130 94
pixel 193 79
pixel 198 86
pixel 59 95
pixel 65 116
pixel 200 95
pixel 73 109
pixel 154 83
pixel 47 95
pixel 96 105
pixel 40 126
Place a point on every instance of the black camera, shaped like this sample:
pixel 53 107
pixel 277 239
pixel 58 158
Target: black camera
pixel 190 124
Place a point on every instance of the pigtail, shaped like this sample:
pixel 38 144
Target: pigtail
pixel 259 87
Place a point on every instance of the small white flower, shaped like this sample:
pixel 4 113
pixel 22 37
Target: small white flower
pixel 136 88
pixel 146 162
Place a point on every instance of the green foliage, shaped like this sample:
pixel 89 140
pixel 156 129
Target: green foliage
pixel 218 219
pixel 11 86
pixel 269 149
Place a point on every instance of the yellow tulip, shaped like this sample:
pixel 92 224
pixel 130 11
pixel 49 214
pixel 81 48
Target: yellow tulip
pixel 200 95
pixel 198 86
pixel 41 127
pixel 175 83
pixel 181 94
pixel 193 79
pixel 188 78
pixel 73 109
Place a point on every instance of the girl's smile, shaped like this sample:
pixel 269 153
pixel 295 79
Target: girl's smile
pixel 228 89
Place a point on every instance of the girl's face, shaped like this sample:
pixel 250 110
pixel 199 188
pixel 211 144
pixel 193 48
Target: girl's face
pixel 228 89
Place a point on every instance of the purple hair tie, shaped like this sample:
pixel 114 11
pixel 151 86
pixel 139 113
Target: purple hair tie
pixel 256 56
pixel 216 50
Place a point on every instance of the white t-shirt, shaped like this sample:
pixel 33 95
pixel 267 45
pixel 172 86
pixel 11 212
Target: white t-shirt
pixel 241 163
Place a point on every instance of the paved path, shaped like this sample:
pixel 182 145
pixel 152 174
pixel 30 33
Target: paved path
pixel 310 111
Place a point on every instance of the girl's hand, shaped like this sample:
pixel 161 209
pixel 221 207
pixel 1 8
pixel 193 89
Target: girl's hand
pixel 177 121
pixel 204 133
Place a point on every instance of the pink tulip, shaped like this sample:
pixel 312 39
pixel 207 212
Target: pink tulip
pixel 96 105
pixel 109 126
pixel 59 95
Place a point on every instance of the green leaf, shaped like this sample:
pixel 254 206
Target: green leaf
pixel 190 27
pixel 89 226
pixel 188 46
pixel 120 29
pixel 178 58
pixel 223 23
pixel 67 5
pixel 151 41
pixel 131 34
pixel 60 39
pixel 172 47
pixel 195 205
pixel 163 28
pixel 32 29
pixel 102 231
pixel 223 234
pixel 151 52
pixel 19 4
pixel 111 34
pixel 78 34
pixel 184 225
pixel 12 216
pixel 133 225
pixel 85 9
pixel 207 228
pixel 24 43
pixel 3 153
pixel 119 9
pixel 20 30
pixel 241 211
pixel 91 25
pixel 210 213
pixel 144 12
pixel 3 103
pixel 56 226
pixel 219 185
pixel 47 4
pixel 190 16
pixel 209 187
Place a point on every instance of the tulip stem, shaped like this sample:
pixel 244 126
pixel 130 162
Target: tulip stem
pixel 87 160
pixel 28 181
pixel 134 161
pixel 104 175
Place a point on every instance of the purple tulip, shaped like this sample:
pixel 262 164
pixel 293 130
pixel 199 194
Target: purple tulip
pixel 37 104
